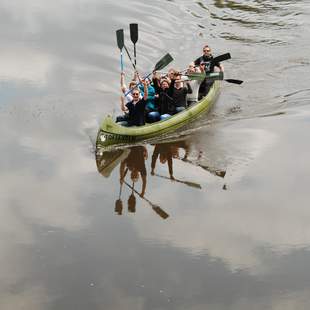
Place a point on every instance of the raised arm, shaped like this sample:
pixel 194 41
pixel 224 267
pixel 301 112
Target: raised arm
pixel 145 90
pixel 123 107
pixel 123 86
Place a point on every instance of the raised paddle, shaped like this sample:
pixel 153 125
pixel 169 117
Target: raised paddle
pixel 134 66
pixel 120 44
pixel 221 58
pixel 156 208
pixel 162 63
pixel 134 37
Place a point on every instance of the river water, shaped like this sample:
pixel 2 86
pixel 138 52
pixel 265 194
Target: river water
pixel 215 218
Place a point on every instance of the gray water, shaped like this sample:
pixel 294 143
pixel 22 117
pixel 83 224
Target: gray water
pixel 230 232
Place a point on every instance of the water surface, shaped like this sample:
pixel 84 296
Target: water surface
pixel 217 217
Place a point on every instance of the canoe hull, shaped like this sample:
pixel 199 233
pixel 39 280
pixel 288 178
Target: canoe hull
pixel 111 133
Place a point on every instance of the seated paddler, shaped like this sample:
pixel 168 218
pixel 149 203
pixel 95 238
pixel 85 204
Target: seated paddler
pixel 136 107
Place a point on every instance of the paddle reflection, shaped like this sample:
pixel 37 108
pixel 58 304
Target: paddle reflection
pixel 133 169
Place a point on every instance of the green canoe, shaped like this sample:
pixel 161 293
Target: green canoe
pixel 111 133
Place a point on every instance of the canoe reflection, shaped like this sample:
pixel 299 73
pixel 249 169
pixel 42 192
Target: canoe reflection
pixel 132 162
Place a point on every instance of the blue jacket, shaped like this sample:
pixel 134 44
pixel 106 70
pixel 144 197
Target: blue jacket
pixel 150 101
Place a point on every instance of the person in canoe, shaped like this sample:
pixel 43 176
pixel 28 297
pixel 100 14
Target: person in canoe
pixel 207 57
pixel 164 89
pixel 136 107
pixel 192 97
pixel 151 111
pixel 127 97
pixel 206 65
pixel 180 91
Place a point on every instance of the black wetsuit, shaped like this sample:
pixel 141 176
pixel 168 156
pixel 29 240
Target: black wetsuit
pixel 179 95
pixel 136 115
pixel 165 102
pixel 205 84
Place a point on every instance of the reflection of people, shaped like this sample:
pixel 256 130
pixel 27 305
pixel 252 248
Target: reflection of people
pixel 135 164
pixel 165 155
pixel 166 152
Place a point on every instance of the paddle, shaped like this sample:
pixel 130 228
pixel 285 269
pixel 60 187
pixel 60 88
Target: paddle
pixel 212 76
pixel 191 184
pixel 132 201
pixel 220 58
pixel 162 63
pixel 156 208
pixel 118 203
pixel 134 37
pixel 120 44
pixel 134 66
pixel 217 172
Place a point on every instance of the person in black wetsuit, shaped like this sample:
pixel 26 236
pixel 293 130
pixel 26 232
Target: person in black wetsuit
pixel 164 96
pixel 136 108
pixel 206 65
pixel 180 91
pixel 207 57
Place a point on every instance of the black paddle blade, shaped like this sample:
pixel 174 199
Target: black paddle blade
pixel 120 38
pixel 133 33
pixel 163 62
pixel 160 212
pixel 221 58
pixel 234 81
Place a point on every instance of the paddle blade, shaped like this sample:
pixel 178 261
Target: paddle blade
pixel 221 58
pixel 192 184
pixel 213 76
pixel 234 81
pixel 160 212
pixel 196 76
pixel 120 38
pixel 163 62
pixel 133 33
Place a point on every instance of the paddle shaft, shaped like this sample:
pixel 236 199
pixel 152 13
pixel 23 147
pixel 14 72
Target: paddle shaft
pixel 156 208
pixel 133 64
pixel 162 63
